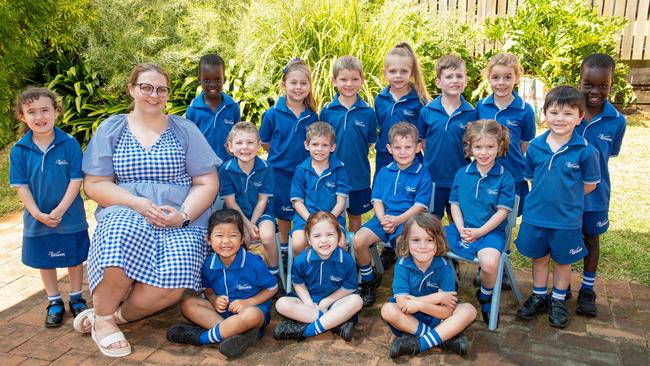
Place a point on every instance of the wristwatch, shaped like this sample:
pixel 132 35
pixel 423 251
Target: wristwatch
pixel 186 219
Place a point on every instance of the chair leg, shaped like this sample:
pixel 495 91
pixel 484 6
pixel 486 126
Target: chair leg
pixel 283 277
pixel 348 242
pixel 289 265
pixel 496 296
pixel 376 257
pixel 513 280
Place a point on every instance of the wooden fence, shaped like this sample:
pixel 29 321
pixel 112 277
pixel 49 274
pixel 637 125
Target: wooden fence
pixel 633 45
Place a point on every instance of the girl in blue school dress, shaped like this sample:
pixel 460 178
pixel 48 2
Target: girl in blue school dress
pixel 45 168
pixel 283 132
pixel 481 197
pixel 423 312
pixel 238 291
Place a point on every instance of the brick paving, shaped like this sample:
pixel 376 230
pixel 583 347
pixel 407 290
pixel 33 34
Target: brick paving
pixel 619 336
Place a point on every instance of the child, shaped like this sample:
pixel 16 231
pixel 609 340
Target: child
pixel 355 123
pixel 238 292
pixel 325 279
pixel 401 190
pixel 482 195
pixel 401 100
pixel 45 168
pixel 506 107
pixel 563 168
pixel 213 111
pixel 247 186
pixel 283 132
pixel 319 184
pixel 603 127
pixel 424 305
pixel 442 125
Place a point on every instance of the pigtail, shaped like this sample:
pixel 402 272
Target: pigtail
pixel 405 50
pixel 504 140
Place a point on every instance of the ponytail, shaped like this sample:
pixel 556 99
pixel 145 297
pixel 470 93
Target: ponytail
pixel 403 49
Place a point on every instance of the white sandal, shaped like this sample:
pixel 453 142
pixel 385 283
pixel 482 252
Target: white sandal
pixel 119 318
pixel 109 339
pixel 78 323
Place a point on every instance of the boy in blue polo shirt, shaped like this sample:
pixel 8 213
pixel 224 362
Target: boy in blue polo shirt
pixel 603 127
pixel 442 125
pixel 401 189
pixel 563 168
pixel 238 292
pixel 319 184
pixel 247 186
pixel 213 111
pixel 355 124
pixel 325 279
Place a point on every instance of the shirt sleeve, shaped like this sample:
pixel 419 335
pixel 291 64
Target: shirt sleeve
pixel 98 158
pixel 422 125
pixel 342 185
pixel 200 159
pixel 299 270
pixel 506 192
pixel 266 128
pixel 189 114
pixel 351 275
pixel 298 185
pixel 528 127
pixel 372 127
pixel 447 278
pixel 401 280
pixel 237 112
pixel 264 277
pixel 424 190
pixel 590 166
pixel 618 139
pixel 227 186
pixel 75 157
pixel 453 195
pixel 529 167
pixel 18 175
pixel 377 187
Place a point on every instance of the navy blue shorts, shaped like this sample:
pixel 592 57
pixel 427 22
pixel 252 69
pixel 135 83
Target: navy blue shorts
pixel 428 320
pixel 282 206
pixel 374 226
pixel 565 246
pixel 55 250
pixel 359 202
pixel 521 190
pixel 441 202
pixel 265 308
pixel 265 217
pixel 493 239
pixel 595 223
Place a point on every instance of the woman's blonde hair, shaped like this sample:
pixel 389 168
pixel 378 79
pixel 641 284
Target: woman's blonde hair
pixel 299 65
pixel 432 225
pixel 141 69
pixel 486 127
pixel 403 49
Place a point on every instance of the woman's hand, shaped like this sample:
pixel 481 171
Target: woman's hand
pixel 174 217
pixel 151 212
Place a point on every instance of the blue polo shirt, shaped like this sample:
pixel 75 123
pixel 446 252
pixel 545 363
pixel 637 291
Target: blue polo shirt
pixel 605 133
pixel 390 112
pixel 443 152
pixel 215 126
pixel 47 174
pixel 324 276
pixel 318 192
pixel 356 129
pixel 479 197
pixel 519 117
pixel 410 280
pixel 556 199
pixel 246 187
pixel 246 276
pixel 400 189
pixel 287 134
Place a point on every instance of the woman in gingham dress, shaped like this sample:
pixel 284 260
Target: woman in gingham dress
pixel 154 179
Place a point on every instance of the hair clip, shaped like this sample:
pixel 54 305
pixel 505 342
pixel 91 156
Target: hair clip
pixel 284 69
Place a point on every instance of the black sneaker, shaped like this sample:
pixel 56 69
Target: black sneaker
pixel 408 345
pixel 55 319
pixel 77 306
pixel 587 303
pixel 457 345
pixel 367 291
pixel 558 315
pixel 185 333
pixel 344 330
pixel 288 329
pixel 234 346
pixel 535 304
pixel 482 302
pixel 388 258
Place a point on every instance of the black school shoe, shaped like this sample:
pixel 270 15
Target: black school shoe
pixel 54 320
pixel 558 315
pixel 388 258
pixel 288 329
pixel 344 330
pixel 457 344
pixel 234 346
pixel 407 345
pixel 367 290
pixel 587 303
pixel 185 333
pixel 535 304
pixel 77 306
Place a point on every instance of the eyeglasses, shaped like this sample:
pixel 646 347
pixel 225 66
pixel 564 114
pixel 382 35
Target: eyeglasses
pixel 148 89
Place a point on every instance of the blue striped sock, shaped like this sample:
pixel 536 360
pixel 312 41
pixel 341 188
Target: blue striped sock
pixel 56 308
pixel 75 295
pixel 211 336
pixel 274 270
pixel 588 279
pixel 284 247
pixel 429 340
pixel 367 274
pixel 314 329
pixel 486 293
pixel 541 291
pixel 422 329
pixel 559 294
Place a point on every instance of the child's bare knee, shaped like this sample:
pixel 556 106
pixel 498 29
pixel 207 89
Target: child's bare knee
pixel 390 312
pixel 490 264
pixel 189 304
pixel 251 316
pixel 282 305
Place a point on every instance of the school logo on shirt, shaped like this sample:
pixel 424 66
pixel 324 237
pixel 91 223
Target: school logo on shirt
pixel 492 191
pixel 366 205
pixel 61 162
pixel 257 184
pixel 360 124
pixel 286 208
pixel 432 285
pixel 408 113
pixel 228 121
pixel 411 189
pixel 575 251
pixel 55 254
pixel 602 223
pixel 511 123
pixel 604 137
pixel 572 165
pixel 335 278
pixel 330 184
pixel 243 287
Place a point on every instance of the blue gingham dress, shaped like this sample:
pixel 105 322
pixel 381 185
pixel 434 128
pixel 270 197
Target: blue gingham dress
pixel 161 257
